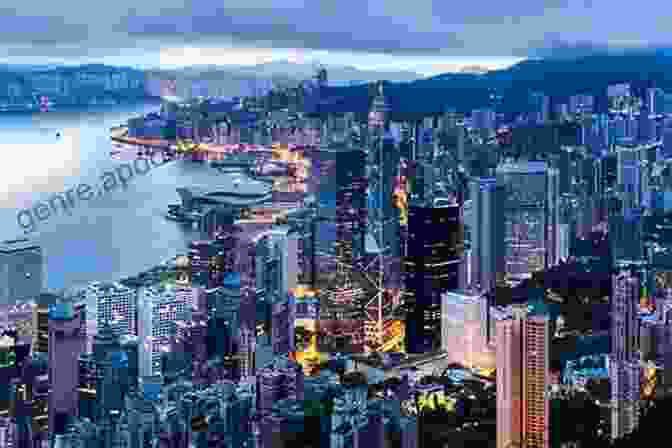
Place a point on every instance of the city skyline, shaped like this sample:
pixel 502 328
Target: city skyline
pixel 335 257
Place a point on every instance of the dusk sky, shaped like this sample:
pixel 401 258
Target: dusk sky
pixel 427 36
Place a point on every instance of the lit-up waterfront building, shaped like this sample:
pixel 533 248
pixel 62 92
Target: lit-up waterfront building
pixel 523 377
pixel 532 216
pixel 624 369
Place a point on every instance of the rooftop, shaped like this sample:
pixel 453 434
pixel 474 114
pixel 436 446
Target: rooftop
pixel 109 288
pixel 236 189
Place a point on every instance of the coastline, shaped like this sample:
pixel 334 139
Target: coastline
pixel 70 107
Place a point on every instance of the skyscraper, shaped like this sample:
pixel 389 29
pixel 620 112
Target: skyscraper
pixel 350 178
pixel 487 233
pixel 432 265
pixel 629 176
pixel 532 215
pixel 66 342
pixel 522 358
pixel 158 313
pixel 624 360
pixel 21 270
pixel 41 322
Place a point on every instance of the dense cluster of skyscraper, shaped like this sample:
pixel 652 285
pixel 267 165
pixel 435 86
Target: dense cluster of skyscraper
pixel 409 239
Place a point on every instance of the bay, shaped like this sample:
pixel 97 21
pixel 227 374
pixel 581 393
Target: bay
pixel 118 234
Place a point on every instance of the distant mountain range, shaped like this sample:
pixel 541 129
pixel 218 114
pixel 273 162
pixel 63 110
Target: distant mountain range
pixel 409 92
pixel 508 89
pixel 286 70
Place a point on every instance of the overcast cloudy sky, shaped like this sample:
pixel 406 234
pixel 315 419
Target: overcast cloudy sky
pixel 428 36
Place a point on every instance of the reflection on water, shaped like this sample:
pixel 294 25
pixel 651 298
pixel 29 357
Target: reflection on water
pixel 117 235
pixel 35 166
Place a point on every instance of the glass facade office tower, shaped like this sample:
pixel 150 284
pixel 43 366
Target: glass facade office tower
pixel 531 217
pixel 432 266
pixel 382 168
pixel 342 199
pixel 487 233
pixel 522 359
pixel 21 270
pixel 624 361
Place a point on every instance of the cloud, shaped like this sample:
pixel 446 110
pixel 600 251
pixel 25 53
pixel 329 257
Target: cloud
pixel 78 28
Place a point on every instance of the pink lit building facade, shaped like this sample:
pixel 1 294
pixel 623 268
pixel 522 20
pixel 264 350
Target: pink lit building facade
pixel 464 332
pixel 523 377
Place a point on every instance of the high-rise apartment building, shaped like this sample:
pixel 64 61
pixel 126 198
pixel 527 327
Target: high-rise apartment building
pixel 523 376
pixel 159 311
pixel 486 227
pixel 116 304
pixel 22 274
pixel 624 360
pixel 629 176
pixel 277 262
